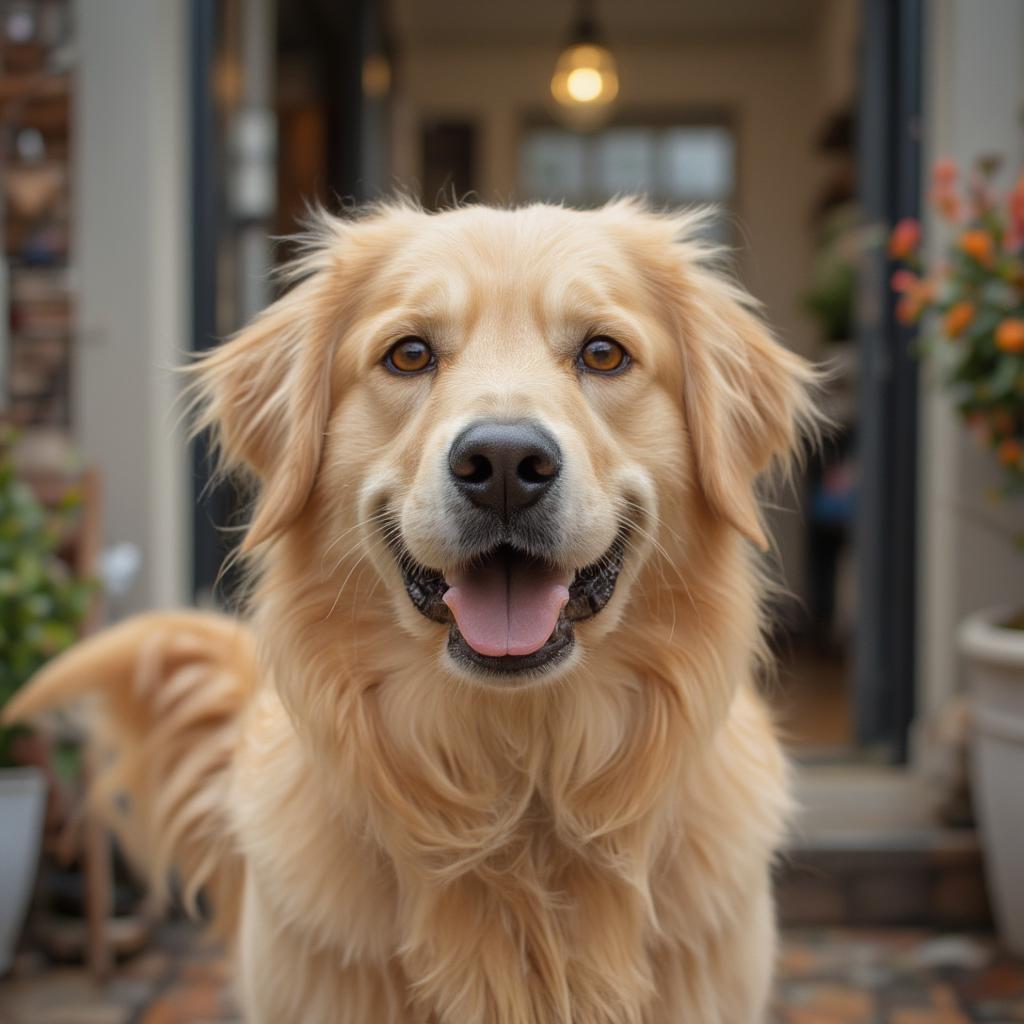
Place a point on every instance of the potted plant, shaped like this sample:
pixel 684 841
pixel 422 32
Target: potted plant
pixel 977 296
pixel 41 608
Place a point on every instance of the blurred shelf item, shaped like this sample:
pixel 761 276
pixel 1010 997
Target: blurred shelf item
pixel 836 142
pixel 33 88
pixel 36 89
pixel 840 394
pixel 838 132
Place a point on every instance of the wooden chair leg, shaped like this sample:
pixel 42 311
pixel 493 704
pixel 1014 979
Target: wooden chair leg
pixel 98 885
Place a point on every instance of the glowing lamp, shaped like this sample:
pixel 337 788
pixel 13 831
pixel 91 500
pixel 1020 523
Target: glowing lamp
pixel 586 79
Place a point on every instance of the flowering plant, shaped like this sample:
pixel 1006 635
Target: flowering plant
pixel 978 294
pixel 42 604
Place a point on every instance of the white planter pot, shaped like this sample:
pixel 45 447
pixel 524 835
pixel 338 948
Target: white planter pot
pixel 22 805
pixel 995 657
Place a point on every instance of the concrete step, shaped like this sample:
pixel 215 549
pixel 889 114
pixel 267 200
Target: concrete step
pixel 866 851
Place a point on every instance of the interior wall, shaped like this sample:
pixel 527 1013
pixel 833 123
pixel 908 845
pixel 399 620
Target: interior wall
pixel 837 34
pixel 769 88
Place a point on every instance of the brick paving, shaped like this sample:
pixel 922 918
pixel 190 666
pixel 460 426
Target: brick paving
pixel 845 976
pixel 827 976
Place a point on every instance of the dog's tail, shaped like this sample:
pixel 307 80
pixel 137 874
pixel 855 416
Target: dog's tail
pixel 163 731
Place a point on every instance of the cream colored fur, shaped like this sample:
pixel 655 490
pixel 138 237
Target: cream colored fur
pixel 383 839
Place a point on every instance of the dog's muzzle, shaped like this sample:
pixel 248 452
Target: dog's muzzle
pixel 511 602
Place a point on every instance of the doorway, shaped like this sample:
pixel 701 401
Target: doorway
pixel 803 137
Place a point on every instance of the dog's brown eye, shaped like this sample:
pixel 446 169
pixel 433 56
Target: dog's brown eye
pixel 410 355
pixel 603 355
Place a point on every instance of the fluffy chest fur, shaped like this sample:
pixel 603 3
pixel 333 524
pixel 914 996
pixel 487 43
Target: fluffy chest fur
pixel 548 871
pixel 487 748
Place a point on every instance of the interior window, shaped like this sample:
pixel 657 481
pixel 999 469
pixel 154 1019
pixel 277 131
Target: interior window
pixel 673 165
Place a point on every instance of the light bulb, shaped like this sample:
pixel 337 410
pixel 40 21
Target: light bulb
pixel 585 82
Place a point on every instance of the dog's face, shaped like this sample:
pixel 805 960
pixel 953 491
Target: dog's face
pixel 510 415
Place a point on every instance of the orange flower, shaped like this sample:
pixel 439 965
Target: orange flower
pixel 947 202
pixel 905 281
pixel 944 172
pixel 908 310
pixel 905 238
pixel 1010 335
pixel 1010 451
pixel 1017 206
pixel 917 292
pixel 978 245
pixel 958 318
pixel 943 195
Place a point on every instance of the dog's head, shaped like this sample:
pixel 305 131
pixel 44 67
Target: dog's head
pixel 516 417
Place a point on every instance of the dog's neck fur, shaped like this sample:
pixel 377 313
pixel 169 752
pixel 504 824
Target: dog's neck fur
pixel 535 827
pixel 464 767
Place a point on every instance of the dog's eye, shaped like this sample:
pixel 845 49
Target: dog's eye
pixel 409 355
pixel 603 355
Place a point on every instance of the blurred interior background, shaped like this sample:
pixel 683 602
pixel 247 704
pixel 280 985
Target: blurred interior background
pixel 156 154
pixel 157 157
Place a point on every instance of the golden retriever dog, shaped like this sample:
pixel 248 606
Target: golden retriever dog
pixel 487 748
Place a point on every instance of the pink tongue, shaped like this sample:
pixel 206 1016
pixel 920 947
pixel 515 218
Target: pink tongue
pixel 504 608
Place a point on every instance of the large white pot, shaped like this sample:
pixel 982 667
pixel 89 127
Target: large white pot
pixel 22 805
pixel 995 657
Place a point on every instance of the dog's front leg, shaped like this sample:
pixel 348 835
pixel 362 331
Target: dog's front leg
pixel 725 979
pixel 284 978
pixel 477 956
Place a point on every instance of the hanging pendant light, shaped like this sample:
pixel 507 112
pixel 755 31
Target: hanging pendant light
pixel 586 79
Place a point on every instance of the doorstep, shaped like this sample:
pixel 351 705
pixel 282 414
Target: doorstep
pixel 866 852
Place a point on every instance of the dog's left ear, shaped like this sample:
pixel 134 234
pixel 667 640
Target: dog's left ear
pixel 747 399
pixel 265 394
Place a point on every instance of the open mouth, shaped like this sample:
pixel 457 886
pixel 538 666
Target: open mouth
pixel 508 612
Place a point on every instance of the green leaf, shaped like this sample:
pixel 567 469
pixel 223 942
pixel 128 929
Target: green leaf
pixel 1003 381
pixel 42 604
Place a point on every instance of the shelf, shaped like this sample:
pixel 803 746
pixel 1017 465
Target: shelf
pixel 34 86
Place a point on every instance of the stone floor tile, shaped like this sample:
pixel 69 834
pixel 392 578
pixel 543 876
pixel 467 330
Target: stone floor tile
pixel 826 976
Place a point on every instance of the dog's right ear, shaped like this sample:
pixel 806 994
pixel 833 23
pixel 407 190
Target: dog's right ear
pixel 265 394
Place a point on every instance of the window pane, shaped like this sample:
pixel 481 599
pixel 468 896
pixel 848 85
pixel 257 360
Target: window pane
pixel 625 162
pixel 553 166
pixel 673 166
pixel 696 164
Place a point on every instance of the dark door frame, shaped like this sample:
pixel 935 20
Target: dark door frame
pixel 212 503
pixel 889 149
pixel 342 32
pixel 889 152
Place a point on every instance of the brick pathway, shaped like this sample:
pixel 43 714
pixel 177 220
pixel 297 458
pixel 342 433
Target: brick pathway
pixel 826 977
pixel 896 977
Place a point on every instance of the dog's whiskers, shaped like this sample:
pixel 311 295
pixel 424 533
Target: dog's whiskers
pixel 388 533
pixel 665 557
pixel 382 514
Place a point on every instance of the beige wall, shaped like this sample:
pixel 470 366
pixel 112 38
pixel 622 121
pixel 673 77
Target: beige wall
pixel 770 90
pixel 130 250
pixel 837 33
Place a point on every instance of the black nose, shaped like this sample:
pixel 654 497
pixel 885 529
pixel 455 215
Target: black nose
pixel 504 466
